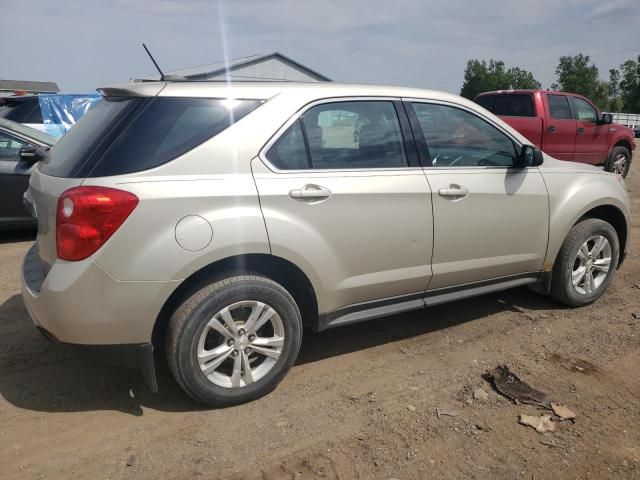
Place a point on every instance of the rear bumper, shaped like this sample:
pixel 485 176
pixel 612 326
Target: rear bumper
pixel 78 303
pixel 136 356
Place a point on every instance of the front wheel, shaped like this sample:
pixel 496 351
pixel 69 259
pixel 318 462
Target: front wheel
pixel 234 340
pixel 619 162
pixel 586 263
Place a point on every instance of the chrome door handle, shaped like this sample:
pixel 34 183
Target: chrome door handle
pixel 310 192
pixel 454 191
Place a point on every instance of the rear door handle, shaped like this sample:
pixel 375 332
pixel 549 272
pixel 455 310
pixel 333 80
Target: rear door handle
pixel 454 191
pixel 580 130
pixel 310 192
pixel 552 129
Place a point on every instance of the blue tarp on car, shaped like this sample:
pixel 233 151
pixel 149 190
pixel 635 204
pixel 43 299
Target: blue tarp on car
pixel 61 111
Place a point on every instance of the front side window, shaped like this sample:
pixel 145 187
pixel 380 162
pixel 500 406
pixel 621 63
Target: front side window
pixel 10 147
pixel 342 135
pixel 584 110
pixel 457 138
pixel 559 107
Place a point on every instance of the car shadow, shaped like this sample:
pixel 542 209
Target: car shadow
pixel 22 235
pixel 38 375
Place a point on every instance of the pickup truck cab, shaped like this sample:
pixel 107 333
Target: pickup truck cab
pixel 567 126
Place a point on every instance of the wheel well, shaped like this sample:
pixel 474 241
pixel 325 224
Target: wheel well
pixel 623 143
pixel 277 269
pixel 615 217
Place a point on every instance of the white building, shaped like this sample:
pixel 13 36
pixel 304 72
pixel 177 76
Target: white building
pixel 270 67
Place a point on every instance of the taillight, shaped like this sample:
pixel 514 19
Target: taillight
pixel 87 216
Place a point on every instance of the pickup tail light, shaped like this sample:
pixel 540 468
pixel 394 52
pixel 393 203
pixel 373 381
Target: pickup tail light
pixel 87 216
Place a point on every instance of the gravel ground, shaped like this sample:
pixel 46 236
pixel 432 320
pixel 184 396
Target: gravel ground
pixel 360 403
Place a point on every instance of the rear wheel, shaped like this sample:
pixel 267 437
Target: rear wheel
pixel 234 340
pixel 619 162
pixel 586 263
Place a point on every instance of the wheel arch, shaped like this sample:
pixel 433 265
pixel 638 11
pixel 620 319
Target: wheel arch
pixel 282 271
pixel 623 142
pixel 616 218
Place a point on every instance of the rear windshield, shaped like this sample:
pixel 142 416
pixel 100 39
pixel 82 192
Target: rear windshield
pixel 125 135
pixel 513 105
pixel 21 109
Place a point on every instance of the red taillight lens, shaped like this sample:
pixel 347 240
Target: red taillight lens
pixel 87 216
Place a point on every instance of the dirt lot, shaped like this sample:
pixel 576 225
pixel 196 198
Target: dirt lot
pixel 360 404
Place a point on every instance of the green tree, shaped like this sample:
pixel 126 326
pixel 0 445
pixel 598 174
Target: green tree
pixel 630 85
pixel 615 100
pixel 578 74
pixel 480 76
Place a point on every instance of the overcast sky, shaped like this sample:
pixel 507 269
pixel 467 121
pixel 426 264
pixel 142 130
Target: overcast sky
pixel 85 44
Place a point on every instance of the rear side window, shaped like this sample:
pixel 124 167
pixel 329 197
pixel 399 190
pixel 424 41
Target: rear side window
pixel 486 101
pixel 512 105
pixel 559 107
pixel 342 135
pixel 131 135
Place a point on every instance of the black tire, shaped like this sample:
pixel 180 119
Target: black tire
pixel 562 288
pixel 617 151
pixel 189 320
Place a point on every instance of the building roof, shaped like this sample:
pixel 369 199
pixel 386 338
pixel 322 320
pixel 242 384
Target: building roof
pixel 29 86
pixel 219 68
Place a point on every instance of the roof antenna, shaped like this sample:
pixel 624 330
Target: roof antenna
pixel 162 77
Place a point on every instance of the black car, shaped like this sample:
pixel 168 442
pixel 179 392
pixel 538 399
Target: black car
pixel 21 148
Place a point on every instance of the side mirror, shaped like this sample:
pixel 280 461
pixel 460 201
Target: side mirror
pixel 32 154
pixel 529 156
pixel 606 119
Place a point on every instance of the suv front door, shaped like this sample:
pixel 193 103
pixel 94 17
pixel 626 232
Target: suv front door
pixel 344 197
pixel 490 219
pixel 591 137
pixel 14 180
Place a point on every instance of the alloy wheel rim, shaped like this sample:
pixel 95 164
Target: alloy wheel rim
pixel 591 265
pixel 619 164
pixel 240 344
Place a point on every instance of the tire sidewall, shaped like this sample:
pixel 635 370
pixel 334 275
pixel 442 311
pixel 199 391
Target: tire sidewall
pixel 614 153
pixel 254 290
pixel 599 228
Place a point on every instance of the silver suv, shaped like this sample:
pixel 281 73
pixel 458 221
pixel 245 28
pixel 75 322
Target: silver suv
pixel 214 222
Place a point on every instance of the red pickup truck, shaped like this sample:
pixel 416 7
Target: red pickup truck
pixel 567 126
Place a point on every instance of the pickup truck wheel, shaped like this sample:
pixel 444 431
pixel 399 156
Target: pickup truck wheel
pixel 586 263
pixel 234 340
pixel 619 161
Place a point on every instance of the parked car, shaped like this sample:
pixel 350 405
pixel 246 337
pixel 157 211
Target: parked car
pixel 53 114
pixel 567 126
pixel 20 149
pixel 213 222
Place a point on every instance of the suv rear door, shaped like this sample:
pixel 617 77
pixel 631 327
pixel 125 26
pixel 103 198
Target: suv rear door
pixel 343 195
pixel 559 135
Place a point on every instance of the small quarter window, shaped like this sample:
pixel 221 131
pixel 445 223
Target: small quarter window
pixel 289 152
